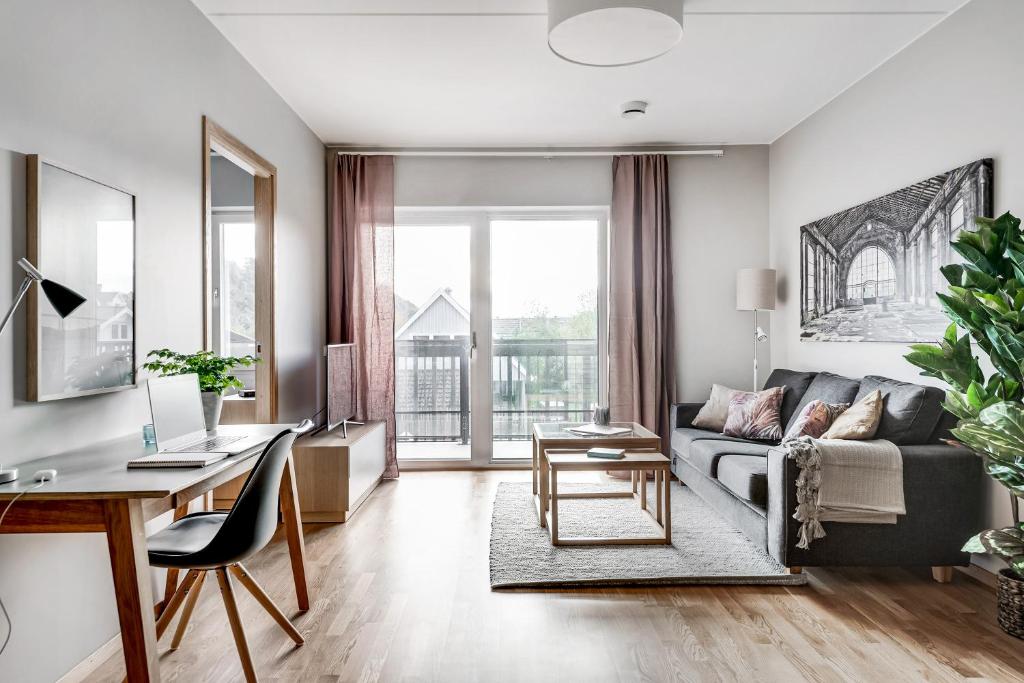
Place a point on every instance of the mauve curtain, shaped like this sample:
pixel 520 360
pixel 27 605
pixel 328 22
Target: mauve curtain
pixel 361 282
pixel 641 348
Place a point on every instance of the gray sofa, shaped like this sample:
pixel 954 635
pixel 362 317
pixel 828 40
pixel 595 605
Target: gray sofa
pixel 753 484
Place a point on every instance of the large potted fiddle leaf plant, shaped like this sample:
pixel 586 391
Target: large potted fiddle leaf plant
pixel 986 301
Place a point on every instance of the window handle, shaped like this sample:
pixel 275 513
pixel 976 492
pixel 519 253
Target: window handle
pixel 472 344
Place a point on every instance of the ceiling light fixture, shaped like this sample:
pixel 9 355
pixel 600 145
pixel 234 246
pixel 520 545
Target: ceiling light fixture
pixel 613 32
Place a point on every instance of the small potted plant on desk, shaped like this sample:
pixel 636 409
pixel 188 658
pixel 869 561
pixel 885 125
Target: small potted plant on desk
pixel 986 299
pixel 214 374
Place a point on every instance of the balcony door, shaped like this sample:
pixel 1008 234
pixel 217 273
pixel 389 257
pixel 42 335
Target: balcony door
pixel 499 323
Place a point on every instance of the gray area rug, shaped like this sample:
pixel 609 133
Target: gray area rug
pixel 705 549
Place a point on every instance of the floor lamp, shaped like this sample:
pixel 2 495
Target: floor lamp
pixel 755 291
pixel 63 300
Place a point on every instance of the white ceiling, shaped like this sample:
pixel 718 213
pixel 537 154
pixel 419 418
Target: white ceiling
pixel 478 73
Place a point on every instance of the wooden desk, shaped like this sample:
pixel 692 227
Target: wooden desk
pixel 95 492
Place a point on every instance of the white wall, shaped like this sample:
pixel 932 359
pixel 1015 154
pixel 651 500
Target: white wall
pixel 952 97
pixel 116 89
pixel 719 224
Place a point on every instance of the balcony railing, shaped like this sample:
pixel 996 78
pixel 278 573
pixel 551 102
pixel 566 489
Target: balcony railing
pixel 532 380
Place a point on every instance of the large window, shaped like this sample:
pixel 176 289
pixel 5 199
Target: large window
pixel 432 340
pixel 234 293
pixel 499 324
pixel 872 276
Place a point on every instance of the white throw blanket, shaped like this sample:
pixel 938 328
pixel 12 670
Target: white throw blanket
pixel 845 481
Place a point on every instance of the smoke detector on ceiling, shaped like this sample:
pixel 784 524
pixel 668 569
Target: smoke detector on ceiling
pixel 634 110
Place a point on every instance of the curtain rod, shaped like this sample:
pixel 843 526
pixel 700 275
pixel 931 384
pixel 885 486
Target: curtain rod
pixel 523 152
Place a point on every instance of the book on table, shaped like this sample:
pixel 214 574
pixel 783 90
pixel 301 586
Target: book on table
pixel 599 430
pixel 176 460
pixel 607 453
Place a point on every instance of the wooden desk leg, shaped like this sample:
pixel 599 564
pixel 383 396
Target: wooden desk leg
pixel 293 530
pixel 129 563
pixel 171 581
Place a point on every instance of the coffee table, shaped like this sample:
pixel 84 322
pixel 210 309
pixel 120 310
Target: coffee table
pixel 554 435
pixel 637 463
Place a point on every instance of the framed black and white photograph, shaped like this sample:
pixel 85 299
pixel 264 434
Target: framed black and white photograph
pixel 81 233
pixel 870 273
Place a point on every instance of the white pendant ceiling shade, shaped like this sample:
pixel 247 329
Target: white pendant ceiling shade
pixel 613 32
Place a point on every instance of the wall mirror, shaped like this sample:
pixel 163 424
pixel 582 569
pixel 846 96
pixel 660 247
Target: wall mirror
pixel 80 232
pixel 238 268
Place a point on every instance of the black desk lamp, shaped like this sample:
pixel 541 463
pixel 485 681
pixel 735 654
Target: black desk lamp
pixel 64 301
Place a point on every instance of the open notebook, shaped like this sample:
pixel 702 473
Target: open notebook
pixel 176 460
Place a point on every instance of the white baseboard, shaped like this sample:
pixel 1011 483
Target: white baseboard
pixel 87 666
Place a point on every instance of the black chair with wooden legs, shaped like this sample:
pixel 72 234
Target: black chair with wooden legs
pixel 219 541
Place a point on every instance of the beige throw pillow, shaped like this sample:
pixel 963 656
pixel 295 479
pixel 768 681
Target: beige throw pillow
pixel 860 421
pixel 715 412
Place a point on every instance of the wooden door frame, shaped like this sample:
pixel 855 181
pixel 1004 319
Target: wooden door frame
pixel 216 138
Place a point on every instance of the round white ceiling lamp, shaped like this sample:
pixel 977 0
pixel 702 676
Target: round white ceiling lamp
pixel 613 32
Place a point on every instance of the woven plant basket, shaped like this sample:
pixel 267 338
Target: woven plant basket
pixel 1011 603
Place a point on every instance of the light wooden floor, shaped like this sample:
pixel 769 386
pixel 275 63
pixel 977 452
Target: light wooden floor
pixel 401 594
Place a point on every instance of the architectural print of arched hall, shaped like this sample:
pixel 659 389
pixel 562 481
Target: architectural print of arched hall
pixel 870 273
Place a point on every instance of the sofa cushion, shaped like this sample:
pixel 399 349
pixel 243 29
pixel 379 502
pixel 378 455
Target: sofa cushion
pixel 746 476
pixel 909 411
pixel 683 438
pixel 947 421
pixel 755 415
pixel 815 419
pixel 796 384
pixel 704 455
pixel 860 421
pixel 828 388
pixel 712 416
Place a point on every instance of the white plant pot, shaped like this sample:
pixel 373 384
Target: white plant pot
pixel 212 405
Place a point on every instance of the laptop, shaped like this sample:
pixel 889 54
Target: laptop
pixel 180 427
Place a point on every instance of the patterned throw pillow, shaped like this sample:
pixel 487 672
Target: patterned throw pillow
pixel 755 415
pixel 712 414
pixel 815 419
pixel 860 421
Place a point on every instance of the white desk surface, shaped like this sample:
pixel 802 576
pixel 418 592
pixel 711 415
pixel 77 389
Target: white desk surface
pixel 101 470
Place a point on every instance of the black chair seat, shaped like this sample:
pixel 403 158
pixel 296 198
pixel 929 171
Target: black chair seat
pixel 177 545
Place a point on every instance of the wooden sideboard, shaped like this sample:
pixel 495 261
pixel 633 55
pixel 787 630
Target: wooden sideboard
pixel 334 474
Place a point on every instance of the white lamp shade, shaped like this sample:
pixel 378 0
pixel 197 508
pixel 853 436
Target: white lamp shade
pixel 613 32
pixel 755 289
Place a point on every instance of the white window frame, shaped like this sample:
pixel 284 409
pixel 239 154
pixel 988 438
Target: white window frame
pixel 479 219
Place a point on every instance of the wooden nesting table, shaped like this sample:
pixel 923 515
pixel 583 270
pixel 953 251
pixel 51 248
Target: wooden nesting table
pixel 637 463
pixel 556 435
